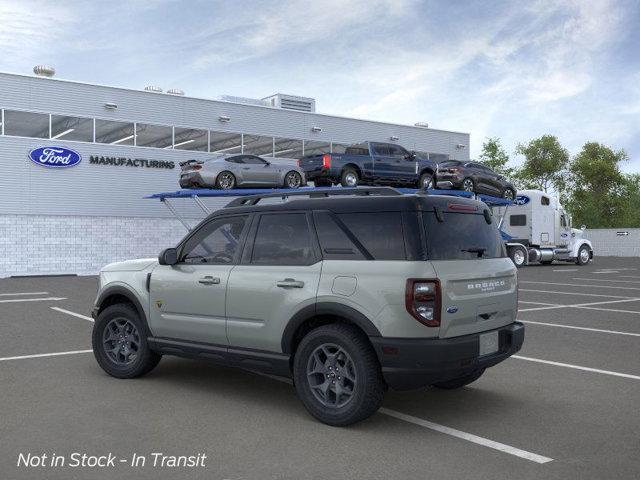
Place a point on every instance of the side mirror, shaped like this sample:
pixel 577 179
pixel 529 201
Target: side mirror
pixel 169 256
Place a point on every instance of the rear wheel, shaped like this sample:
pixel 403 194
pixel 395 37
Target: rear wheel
pixel 225 181
pixel 349 178
pixel 468 185
pixel 337 375
pixel 518 256
pixel 460 381
pixel 292 179
pixel 120 343
pixel 583 255
pixel 508 194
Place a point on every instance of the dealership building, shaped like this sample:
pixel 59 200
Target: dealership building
pixel 126 144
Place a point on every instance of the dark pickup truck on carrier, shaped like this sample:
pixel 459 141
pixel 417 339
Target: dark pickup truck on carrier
pixel 370 163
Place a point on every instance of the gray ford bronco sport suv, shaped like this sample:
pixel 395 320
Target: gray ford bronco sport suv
pixel 348 295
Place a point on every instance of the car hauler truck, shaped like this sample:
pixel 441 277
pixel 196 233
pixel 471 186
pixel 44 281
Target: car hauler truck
pixel 537 229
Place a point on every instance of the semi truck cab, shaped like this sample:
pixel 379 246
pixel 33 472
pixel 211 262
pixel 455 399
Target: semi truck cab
pixel 537 229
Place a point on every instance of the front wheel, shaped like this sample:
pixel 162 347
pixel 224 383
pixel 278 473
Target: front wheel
pixel 426 181
pixel 518 256
pixel 460 381
pixel 293 180
pixel 119 343
pixel 583 255
pixel 337 375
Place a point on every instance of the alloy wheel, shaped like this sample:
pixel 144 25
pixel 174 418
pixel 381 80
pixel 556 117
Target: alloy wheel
pixel 331 375
pixel 121 341
pixel 508 194
pixel 467 185
pixel 351 179
pixel 584 255
pixel 293 180
pixel 226 181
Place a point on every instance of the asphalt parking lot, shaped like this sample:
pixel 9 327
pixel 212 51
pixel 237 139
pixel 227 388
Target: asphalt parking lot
pixel 565 407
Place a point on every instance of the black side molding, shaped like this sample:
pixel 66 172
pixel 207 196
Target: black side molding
pixel 250 359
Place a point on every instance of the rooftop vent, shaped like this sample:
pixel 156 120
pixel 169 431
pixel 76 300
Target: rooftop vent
pixel 175 91
pixel 292 102
pixel 44 71
pixel 153 88
pixel 244 100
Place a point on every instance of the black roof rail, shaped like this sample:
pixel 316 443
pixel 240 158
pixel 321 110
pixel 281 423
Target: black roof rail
pixel 315 193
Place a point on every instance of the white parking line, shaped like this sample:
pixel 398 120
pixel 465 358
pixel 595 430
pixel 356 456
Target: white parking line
pixel 597 330
pixel 22 293
pixel 628 276
pixel 566 269
pixel 582 305
pixel 485 442
pixel 73 314
pixel 579 285
pixel 539 303
pixel 604 280
pixel 576 293
pixel 44 299
pixel 609 309
pixel 40 355
pixel 577 367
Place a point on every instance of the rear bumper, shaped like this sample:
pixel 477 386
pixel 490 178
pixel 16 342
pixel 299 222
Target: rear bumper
pixel 192 180
pixel 319 172
pixel 409 363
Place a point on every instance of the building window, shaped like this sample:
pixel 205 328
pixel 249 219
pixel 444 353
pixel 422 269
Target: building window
pixel 114 133
pixel 157 136
pixel 258 145
pixel 191 139
pixel 287 148
pixel 225 142
pixel 338 147
pixel 26 124
pixel 312 147
pixel 72 128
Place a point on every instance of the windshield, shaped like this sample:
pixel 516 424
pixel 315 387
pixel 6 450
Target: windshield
pixel 462 236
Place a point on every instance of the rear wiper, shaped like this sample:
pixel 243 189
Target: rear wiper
pixel 479 250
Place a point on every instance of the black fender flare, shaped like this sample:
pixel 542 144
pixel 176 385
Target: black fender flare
pixel 326 308
pixel 129 295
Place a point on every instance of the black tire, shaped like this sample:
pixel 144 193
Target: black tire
pixel 349 177
pixel 322 182
pixel 368 389
pixel 582 258
pixel 468 185
pixel 460 381
pixel 509 194
pixel 145 359
pixel 426 181
pixel 298 180
pixel 518 256
pixel 221 180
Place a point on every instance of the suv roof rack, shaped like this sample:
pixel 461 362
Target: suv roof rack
pixel 315 193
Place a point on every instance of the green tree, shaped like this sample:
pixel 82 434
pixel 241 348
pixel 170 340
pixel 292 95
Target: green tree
pixel 599 191
pixel 545 164
pixel 495 157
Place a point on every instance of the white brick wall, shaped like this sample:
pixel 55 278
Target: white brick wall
pixel 45 245
pixel 608 242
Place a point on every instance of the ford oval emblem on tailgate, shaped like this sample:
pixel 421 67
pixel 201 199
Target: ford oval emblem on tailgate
pixel 452 309
pixel 55 157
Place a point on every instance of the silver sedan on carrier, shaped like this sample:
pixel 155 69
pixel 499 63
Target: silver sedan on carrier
pixel 231 171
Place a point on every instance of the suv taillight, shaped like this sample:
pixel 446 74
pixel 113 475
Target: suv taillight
pixel 326 161
pixel 298 162
pixel 422 299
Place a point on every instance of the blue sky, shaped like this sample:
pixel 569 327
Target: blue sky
pixel 515 70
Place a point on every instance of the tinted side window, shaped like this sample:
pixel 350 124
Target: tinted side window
pixel 381 149
pixel 396 151
pixel 283 239
pixel 334 242
pixel 253 160
pixel 517 220
pixel 380 233
pixel 235 159
pixel 544 200
pixel 216 242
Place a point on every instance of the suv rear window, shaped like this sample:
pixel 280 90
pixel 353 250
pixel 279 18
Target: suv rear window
pixel 460 232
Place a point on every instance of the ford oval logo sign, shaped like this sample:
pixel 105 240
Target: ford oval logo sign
pixel 55 157
pixel 521 200
pixel 452 309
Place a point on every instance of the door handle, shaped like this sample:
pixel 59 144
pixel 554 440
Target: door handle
pixel 246 168
pixel 209 280
pixel 290 283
